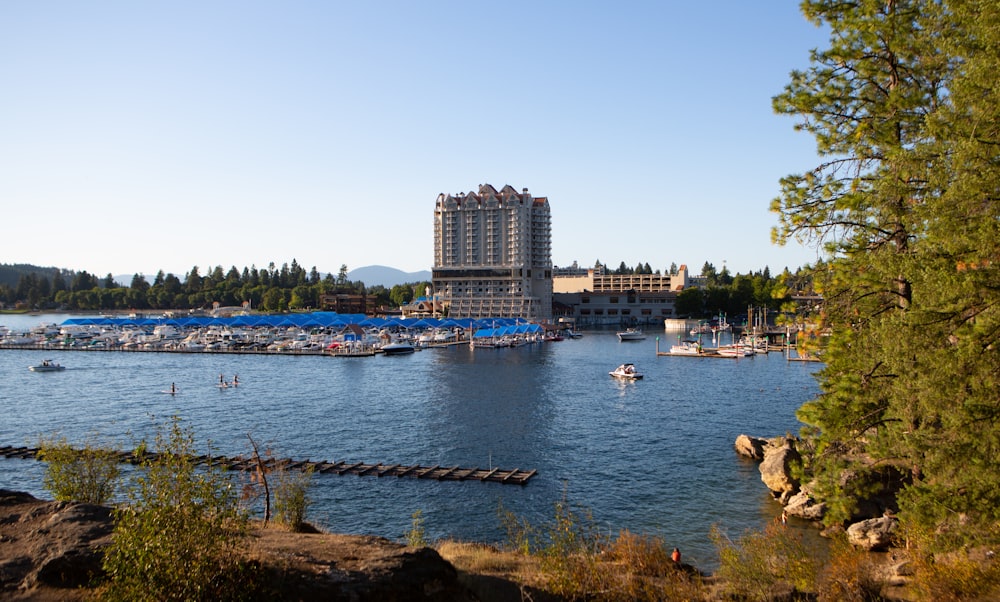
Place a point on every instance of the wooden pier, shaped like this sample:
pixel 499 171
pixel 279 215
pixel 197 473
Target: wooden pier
pixel 240 463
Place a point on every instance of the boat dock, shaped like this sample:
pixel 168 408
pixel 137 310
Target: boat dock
pixel 240 463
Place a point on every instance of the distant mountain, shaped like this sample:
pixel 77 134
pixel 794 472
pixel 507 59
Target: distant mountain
pixel 373 275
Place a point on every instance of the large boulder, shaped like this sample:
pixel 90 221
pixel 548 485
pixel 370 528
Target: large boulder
pixel 776 472
pixel 751 447
pixel 804 506
pixel 50 544
pixel 873 534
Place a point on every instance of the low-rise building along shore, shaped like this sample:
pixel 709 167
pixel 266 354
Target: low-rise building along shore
pixel 592 297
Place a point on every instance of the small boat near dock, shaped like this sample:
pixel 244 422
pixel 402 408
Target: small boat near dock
pixel 398 348
pixel 687 347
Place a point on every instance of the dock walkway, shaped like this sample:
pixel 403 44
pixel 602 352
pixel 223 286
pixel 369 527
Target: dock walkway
pixel 240 463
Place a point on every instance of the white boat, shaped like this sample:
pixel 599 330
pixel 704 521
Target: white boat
pixel 444 336
pixel 398 348
pixel 47 366
pixel 686 348
pixel 626 371
pixel 631 334
pixel 735 351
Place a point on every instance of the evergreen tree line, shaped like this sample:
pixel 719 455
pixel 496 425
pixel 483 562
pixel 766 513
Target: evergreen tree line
pixel 731 295
pixel 905 201
pixel 289 287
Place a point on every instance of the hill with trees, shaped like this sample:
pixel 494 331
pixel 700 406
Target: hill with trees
pixel 273 288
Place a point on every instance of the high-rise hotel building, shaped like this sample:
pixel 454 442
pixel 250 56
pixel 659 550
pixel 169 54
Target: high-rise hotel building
pixel 493 254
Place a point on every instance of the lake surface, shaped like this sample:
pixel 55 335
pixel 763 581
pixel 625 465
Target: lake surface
pixel 653 456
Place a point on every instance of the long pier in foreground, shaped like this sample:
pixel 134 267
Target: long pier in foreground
pixel 436 472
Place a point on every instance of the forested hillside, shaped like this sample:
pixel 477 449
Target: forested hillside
pixel 269 289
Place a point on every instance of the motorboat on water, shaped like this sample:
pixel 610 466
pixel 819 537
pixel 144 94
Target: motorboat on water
pixel 631 334
pixel 626 371
pixel 47 366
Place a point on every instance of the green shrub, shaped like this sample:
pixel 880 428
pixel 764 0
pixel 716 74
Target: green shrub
pixel 291 496
pixel 520 532
pixel 850 575
pixel 577 562
pixel 89 474
pixel 417 537
pixel 179 536
pixel 971 574
pixel 761 564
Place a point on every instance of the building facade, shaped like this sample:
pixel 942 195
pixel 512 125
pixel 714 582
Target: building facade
pixel 592 297
pixel 618 308
pixel 577 280
pixel 493 254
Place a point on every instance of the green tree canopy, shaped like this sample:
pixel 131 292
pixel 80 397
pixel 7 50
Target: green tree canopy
pixel 904 109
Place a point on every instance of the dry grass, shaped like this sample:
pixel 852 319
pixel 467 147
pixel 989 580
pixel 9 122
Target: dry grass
pixel 488 560
pixel 632 567
pixel 971 574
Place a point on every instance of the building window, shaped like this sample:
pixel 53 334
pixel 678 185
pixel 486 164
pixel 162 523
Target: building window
pixel 584 299
pixel 613 300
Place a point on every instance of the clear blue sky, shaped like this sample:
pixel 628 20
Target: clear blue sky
pixel 139 136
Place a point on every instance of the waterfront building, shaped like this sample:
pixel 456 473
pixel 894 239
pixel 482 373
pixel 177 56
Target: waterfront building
pixel 493 254
pixel 615 308
pixel 593 297
pixel 347 302
pixel 575 280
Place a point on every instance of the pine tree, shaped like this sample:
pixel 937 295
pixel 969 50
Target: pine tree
pixel 952 407
pixel 865 99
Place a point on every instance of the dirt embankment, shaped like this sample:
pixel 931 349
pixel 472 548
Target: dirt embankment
pixel 51 551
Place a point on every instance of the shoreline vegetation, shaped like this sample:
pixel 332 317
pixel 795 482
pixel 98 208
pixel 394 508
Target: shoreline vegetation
pixel 239 529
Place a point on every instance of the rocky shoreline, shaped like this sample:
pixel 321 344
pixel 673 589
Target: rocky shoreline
pixel 874 526
pixel 52 550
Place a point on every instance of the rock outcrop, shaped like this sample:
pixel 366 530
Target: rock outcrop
pixel 51 551
pixel 751 447
pixel 802 505
pixel 873 534
pixel 776 472
pixel 50 544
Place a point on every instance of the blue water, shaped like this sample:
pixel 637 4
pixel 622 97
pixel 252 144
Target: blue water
pixel 654 456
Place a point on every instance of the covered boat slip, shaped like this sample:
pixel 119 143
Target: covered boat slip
pixel 506 330
pixel 318 319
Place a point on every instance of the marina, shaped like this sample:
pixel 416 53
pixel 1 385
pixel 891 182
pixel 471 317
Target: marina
pixel 654 456
pixel 315 333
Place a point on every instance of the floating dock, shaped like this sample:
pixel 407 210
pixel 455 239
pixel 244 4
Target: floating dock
pixel 436 472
